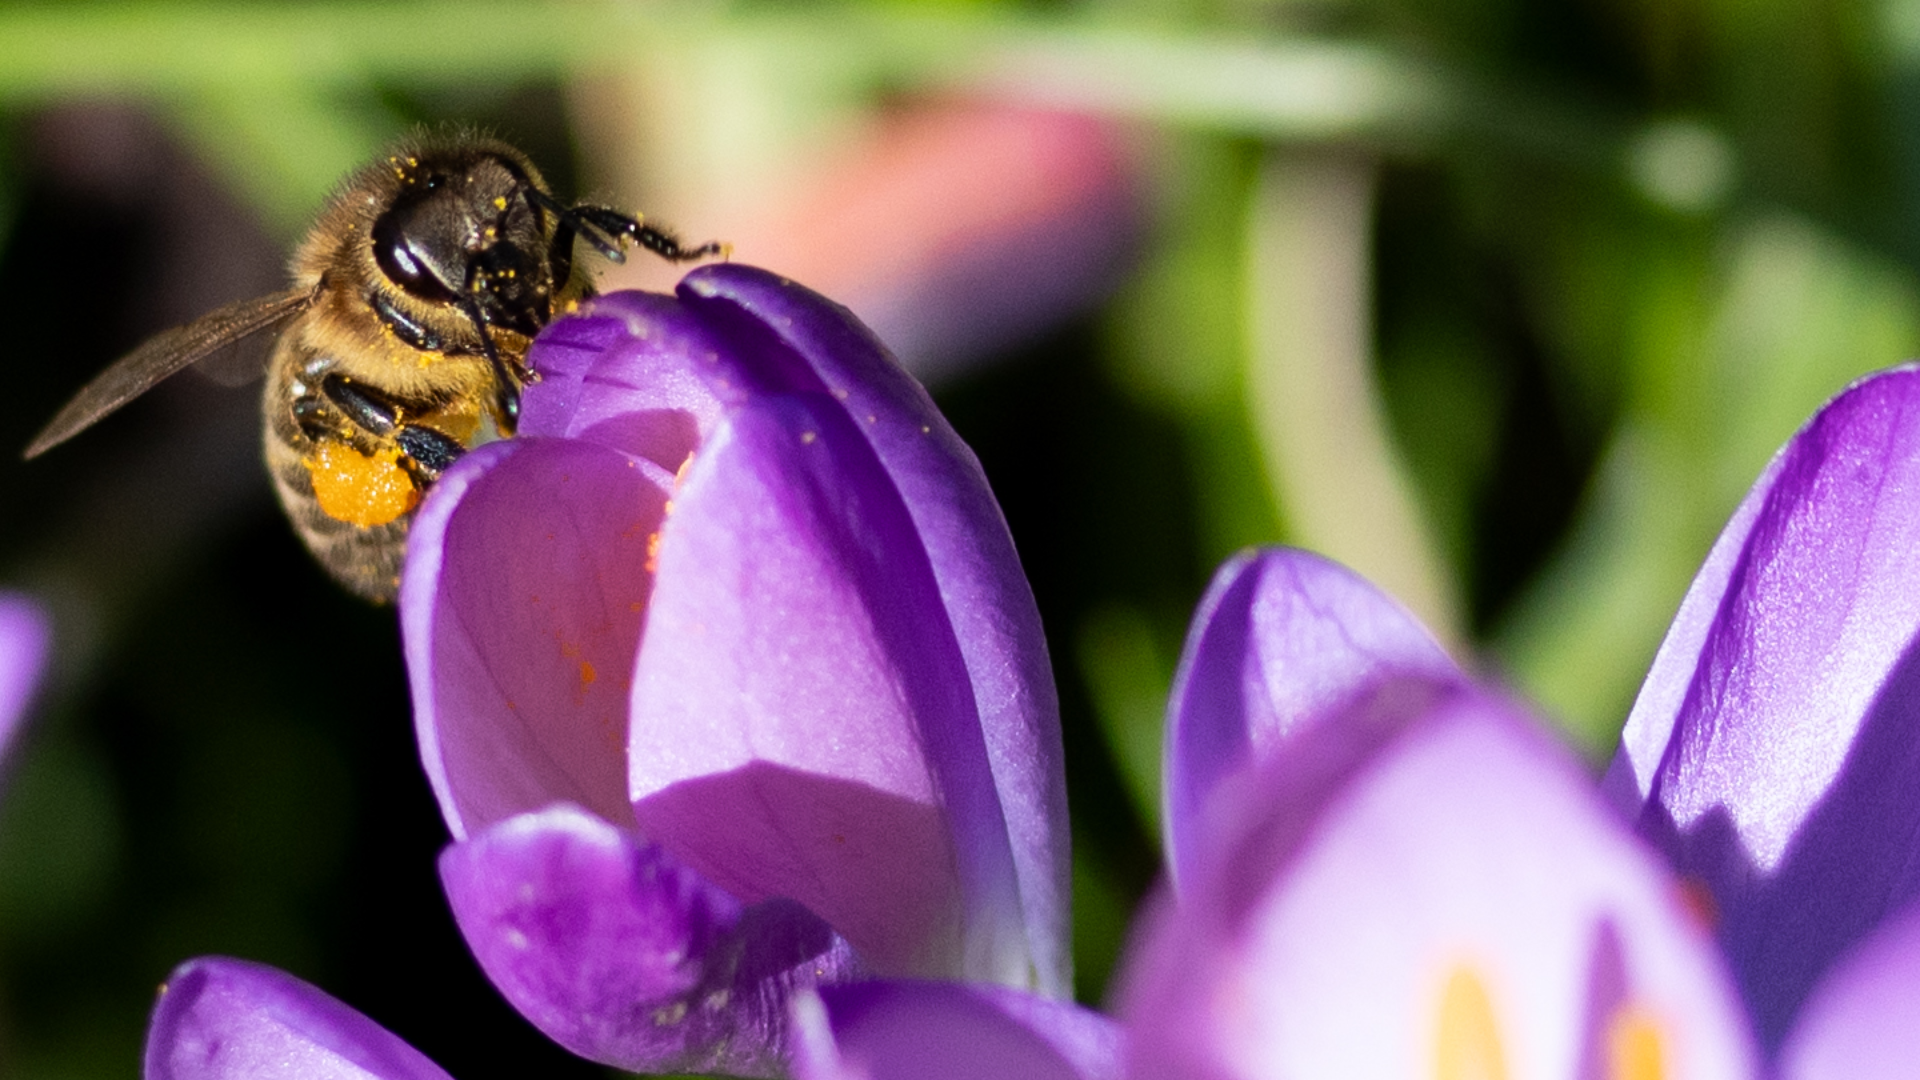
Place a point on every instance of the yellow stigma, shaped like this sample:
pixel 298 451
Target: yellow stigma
pixel 1467 1045
pixel 1633 1045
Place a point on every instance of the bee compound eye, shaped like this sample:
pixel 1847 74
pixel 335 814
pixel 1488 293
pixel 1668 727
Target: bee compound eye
pixel 393 251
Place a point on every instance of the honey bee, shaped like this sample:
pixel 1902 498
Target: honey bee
pixel 402 343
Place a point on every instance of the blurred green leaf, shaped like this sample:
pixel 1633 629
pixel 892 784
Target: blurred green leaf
pixel 1128 675
pixel 1730 356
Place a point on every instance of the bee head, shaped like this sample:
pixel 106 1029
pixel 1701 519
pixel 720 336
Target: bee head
pixel 463 232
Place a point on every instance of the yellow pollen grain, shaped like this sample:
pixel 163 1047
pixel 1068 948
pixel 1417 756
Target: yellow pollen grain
pixel 587 675
pixel 680 474
pixel 499 202
pixel 362 491
pixel 653 557
pixel 1633 1045
pixel 807 437
pixel 1467 1045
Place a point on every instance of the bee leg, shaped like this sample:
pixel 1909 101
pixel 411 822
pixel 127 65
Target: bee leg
pixel 659 241
pixel 429 450
pixel 604 227
pixel 366 409
pixel 506 390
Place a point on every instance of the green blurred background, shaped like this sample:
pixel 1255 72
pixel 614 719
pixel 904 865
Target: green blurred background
pixel 1502 303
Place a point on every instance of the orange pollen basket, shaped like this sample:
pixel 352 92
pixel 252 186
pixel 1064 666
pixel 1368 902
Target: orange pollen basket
pixel 360 490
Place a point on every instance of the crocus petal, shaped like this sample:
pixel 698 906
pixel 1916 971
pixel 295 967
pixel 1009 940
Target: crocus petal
pixel 911 1030
pixel 623 956
pixel 988 602
pixel 1858 1024
pixel 1777 741
pixel 803 725
pixel 24 636
pixel 1282 639
pixel 221 1019
pixel 1426 889
pixel 634 371
pixel 526 585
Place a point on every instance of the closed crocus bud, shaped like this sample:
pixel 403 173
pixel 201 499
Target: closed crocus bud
pixel 729 682
pixel 1282 639
pixel 1425 886
pixel 1774 751
pixel 222 1019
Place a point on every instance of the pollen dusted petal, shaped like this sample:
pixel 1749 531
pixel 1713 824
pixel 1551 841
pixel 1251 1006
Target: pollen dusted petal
pixel 802 721
pixel 987 598
pixel 523 601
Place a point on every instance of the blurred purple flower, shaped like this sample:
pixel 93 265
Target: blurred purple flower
pixel 1401 877
pixel 1774 751
pixel 24 636
pixel 729 682
pixel 915 1030
pixel 221 1019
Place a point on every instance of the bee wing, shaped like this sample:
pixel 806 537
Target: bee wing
pixel 166 353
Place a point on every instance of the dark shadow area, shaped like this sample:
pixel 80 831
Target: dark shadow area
pixel 752 828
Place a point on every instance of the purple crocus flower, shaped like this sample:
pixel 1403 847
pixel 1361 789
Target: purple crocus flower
pixel 24 636
pixel 729 682
pixel 1774 751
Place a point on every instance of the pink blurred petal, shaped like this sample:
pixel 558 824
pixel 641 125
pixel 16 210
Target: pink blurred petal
pixel 987 599
pixel 1282 640
pixel 954 228
pixel 623 956
pixel 1374 861
pixel 910 1030
pixel 803 725
pixel 523 600
pixel 1777 741
pixel 220 1019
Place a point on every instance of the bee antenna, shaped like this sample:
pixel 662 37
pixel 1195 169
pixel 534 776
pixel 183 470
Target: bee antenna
pixel 506 396
pixel 603 241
